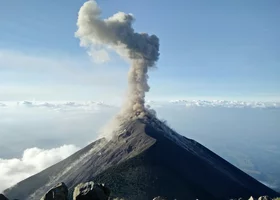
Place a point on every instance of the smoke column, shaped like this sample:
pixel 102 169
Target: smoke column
pixel 116 32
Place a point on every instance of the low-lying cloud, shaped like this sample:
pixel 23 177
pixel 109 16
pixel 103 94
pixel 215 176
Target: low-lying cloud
pixel 66 106
pixel 95 105
pixel 32 161
pixel 226 104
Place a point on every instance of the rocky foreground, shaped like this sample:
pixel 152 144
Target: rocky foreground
pixel 92 191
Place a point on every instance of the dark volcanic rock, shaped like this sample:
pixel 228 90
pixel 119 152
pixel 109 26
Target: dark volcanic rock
pixel 91 191
pixel 159 198
pixel 264 198
pixel 58 192
pixel 147 159
pixel 2 197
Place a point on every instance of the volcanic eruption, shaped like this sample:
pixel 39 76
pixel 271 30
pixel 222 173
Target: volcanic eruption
pixel 144 158
pixel 117 33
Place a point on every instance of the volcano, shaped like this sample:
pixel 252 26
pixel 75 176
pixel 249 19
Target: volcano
pixel 145 159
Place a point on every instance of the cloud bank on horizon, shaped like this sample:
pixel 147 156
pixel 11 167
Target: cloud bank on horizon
pixel 96 106
pixel 117 33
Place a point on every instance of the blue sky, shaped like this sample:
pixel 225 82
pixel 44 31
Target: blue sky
pixel 209 50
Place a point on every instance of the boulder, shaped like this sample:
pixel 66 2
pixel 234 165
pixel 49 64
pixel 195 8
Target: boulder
pixel 2 197
pixel 58 192
pixel 91 191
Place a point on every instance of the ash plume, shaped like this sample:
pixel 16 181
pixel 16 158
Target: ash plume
pixel 116 33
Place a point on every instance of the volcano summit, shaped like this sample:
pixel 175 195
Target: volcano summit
pixel 145 159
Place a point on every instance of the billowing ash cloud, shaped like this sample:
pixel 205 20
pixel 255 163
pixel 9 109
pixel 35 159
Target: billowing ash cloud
pixel 116 32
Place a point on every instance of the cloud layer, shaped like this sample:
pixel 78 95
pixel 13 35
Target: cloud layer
pixel 226 104
pixel 94 105
pixel 32 161
pixel 66 106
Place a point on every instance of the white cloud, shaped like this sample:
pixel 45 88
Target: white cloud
pixel 67 106
pixel 32 161
pixel 97 105
pixel 227 104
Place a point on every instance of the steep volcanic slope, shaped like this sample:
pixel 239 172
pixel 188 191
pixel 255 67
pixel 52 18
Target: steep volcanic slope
pixel 147 159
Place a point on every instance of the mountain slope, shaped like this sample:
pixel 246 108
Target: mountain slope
pixel 144 160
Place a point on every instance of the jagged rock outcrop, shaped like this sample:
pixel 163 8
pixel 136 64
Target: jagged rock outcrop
pixel 58 192
pixel 91 191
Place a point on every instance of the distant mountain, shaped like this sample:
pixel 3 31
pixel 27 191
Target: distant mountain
pixel 146 159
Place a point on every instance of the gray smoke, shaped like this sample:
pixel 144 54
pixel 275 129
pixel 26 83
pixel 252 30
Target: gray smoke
pixel 116 32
